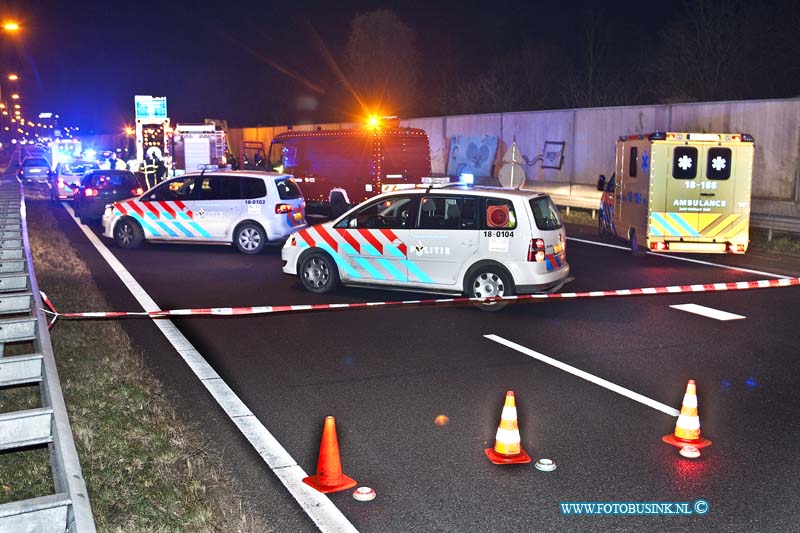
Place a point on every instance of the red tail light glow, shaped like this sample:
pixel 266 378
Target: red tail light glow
pixel 536 250
pixel 90 192
pixel 659 246
pixel 735 248
pixel 283 209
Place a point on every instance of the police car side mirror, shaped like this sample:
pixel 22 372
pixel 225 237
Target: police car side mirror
pixel 601 183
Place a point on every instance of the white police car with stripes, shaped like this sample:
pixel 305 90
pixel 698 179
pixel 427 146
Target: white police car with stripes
pixel 477 241
pixel 246 209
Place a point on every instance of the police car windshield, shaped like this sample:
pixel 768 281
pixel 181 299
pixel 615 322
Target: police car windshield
pixel 288 189
pixel 545 213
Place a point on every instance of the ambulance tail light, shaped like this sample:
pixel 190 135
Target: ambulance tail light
pixel 283 209
pixel 735 248
pixel 659 246
pixel 89 192
pixel 536 251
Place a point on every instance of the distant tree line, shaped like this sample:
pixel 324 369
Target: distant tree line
pixel 711 50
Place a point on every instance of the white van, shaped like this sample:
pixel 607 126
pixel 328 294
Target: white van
pixel 477 241
pixel 246 209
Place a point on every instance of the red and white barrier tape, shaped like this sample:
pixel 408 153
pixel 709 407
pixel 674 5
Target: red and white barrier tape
pixel 271 309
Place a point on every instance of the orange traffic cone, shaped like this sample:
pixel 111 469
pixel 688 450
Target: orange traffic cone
pixel 687 429
pixel 507 447
pixel 329 476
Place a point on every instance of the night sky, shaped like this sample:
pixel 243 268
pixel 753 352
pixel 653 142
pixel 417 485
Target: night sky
pixel 249 62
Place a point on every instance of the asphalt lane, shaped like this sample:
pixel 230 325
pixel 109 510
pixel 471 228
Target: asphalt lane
pixel 386 374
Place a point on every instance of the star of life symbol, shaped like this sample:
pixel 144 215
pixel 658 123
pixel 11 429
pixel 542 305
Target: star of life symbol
pixel 685 162
pixel 718 163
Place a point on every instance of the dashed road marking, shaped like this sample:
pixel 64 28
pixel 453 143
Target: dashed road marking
pixel 709 312
pixel 666 409
pixel 318 506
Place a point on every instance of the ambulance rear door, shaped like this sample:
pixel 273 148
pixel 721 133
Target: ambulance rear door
pixel 725 191
pixel 679 218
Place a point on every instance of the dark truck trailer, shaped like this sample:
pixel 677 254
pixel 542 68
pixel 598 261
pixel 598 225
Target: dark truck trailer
pixel 336 167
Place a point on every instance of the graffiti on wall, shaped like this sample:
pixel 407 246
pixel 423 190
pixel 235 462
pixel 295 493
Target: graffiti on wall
pixel 551 157
pixel 472 155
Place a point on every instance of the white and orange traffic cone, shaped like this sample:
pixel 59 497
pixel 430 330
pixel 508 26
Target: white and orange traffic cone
pixel 507 446
pixel 330 477
pixel 687 428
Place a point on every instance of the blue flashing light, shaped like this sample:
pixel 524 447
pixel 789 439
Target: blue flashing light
pixel 467 178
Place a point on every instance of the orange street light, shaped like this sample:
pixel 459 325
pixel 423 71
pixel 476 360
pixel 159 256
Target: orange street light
pixel 13 77
pixel 10 25
pixel 15 96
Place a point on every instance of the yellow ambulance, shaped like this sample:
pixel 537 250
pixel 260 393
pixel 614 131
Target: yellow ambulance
pixel 680 192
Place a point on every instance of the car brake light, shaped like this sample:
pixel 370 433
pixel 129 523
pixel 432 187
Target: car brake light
pixel 283 209
pixel 90 192
pixel 536 250
pixel 138 191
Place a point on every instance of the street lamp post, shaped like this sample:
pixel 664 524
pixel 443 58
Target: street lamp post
pixel 11 27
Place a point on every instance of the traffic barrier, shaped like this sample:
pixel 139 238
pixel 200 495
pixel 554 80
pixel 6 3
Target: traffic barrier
pixel 507 443
pixel 687 428
pixel 274 309
pixel 330 477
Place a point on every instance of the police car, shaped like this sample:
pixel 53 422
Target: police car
pixel 477 241
pixel 247 209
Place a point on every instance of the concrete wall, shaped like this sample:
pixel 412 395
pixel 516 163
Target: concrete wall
pixel 589 136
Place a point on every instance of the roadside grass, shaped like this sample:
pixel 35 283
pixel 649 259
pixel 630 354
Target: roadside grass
pixel 145 468
pixel 781 243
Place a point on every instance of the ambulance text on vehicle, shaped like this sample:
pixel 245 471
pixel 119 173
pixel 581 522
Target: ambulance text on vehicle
pixel 682 192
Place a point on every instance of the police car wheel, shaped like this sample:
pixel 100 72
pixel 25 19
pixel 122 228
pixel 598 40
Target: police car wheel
pixel 128 234
pixel 250 239
pixel 318 273
pixel 487 282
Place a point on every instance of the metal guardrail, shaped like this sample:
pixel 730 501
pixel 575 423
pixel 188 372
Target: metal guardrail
pixel 771 223
pixel 22 321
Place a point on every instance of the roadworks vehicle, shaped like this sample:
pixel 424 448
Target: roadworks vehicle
pixel 337 168
pixel 246 209
pixel 481 242
pixel 680 192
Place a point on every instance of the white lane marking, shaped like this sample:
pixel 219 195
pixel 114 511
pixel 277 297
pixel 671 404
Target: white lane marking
pixel 318 506
pixel 709 312
pixel 688 260
pixel 666 409
pixel 615 246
